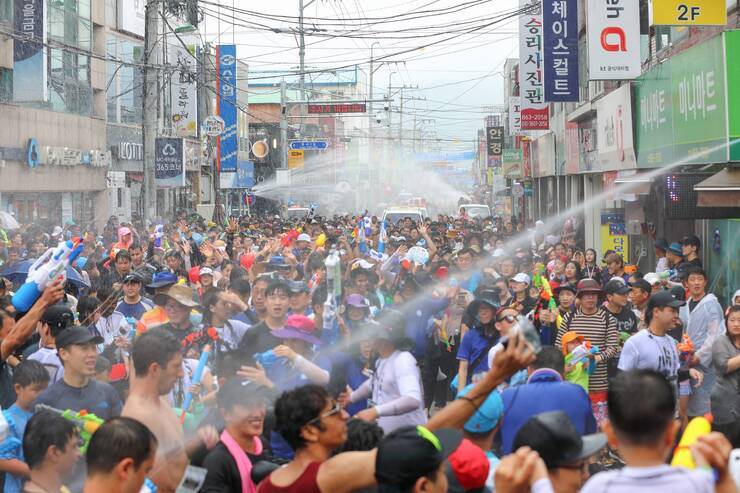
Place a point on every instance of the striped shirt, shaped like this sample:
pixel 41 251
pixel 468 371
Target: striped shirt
pixel 600 329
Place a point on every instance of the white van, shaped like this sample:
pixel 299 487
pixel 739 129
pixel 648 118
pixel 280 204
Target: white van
pixel 475 210
pixel 394 214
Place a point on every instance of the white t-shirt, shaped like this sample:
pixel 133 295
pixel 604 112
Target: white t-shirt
pixel 232 337
pixel 49 358
pixel 651 479
pixel 647 351
pixel 395 377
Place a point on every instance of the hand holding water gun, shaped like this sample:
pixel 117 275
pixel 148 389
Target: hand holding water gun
pixel 86 423
pixel 582 352
pixel 51 266
pixel 685 348
pixel 158 235
pixel 197 376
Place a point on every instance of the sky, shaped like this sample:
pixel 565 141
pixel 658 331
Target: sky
pixel 451 80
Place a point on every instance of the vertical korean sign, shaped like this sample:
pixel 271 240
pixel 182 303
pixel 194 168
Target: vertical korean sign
pixel 226 103
pixel 560 20
pixel 183 90
pixel 29 55
pixel 495 145
pixel 515 115
pixel 534 111
pixel 613 39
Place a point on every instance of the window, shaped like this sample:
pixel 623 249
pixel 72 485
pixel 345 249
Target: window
pixel 6 84
pixel 69 70
pixel 6 11
pixel 125 82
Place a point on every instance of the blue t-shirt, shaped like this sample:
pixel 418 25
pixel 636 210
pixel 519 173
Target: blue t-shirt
pixel 348 367
pixel 97 398
pixel 12 446
pixel 136 310
pixel 473 345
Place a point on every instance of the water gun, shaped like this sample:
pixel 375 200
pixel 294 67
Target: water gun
pixel 131 333
pixel 268 359
pixel 582 351
pixel 197 376
pixel 86 423
pixel 382 238
pixel 158 234
pixel 51 266
pixel 685 347
pixel 289 238
pixel 540 280
pixel 698 427
pixel 321 240
pixel 361 236
pixel 334 273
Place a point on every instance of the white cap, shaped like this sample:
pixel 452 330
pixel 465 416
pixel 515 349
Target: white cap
pixel 499 252
pixel 206 270
pixel 652 278
pixel 57 231
pixel 521 277
pixel 303 237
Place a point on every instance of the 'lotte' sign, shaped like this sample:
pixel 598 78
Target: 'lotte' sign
pixel 534 111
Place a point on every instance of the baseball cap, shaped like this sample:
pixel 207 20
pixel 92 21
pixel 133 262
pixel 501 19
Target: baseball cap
pixel 616 286
pixel 76 336
pixel 469 468
pixel 643 285
pixel 298 287
pixel 553 436
pixel 411 452
pixel 663 299
pixel 162 279
pixel 133 277
pixel 521 277
pixel 675 248
pixel 58 317
pixel 303 237
pixel 357 300
pixel 488 414
pixel 205 271
pixel 651 278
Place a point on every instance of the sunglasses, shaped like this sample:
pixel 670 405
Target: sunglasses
pixel 508 318
pixel 336 408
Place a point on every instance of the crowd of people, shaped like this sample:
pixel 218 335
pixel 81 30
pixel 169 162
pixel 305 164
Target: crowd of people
pixel 344 354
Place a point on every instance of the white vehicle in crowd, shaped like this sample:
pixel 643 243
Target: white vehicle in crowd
pixel 394 214
pixel 297 213
pixel 475 210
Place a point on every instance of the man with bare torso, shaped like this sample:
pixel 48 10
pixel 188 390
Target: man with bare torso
pixel 156 366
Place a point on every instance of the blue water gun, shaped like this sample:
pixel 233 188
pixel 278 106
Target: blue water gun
pixel 49 267
pixel 268 359
pixel 197 376
pixel 382 238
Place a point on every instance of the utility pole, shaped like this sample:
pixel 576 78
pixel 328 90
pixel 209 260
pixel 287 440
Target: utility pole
pixel 283 127
pixel 150 108
pixel 302 56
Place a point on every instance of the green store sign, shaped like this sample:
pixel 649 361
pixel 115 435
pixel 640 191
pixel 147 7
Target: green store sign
pixel 682 106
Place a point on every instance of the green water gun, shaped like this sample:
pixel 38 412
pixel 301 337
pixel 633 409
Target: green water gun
pixel 87 423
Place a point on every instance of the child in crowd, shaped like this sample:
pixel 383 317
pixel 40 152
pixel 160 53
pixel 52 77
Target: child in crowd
pixel 30 378
pixel 642 406
pixel 577 366
pixel 102 369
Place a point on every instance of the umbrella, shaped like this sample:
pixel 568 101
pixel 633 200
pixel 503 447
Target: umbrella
pixel 7 221
pixel 18 272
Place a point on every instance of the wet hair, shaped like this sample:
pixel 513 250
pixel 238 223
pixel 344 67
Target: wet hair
pixel 278 285
pixel 154 346
pixel 209 299
pixel 102 364
pixel 135 246
pixel 641 405
pixel 240 286
pixel 229 362
pixel 361 436
pixel 238 272
pixel 294 409
pixel 694 269
pixel 118 439
pixel 29 372
pixel 730 311
pixel 550 357
pixel 123 254
pixel 577 266
pixel 86 306
pixel 45 429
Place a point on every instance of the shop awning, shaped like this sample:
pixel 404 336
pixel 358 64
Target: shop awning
pixel 720 190
pixel 633 182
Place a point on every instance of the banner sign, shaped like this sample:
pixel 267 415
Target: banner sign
pixel 169 162
pixel 560 18
pixel 512 163
pixel 242 178
pixel 318 109
pixel 681 108
pixel 689 12
pixel 226 104
pixel 29 55
pixel 614 135
pixel 183 90
pixel 613 39
pixel 515 115
pixel 132 16
pixel 534 111
pixel 494 145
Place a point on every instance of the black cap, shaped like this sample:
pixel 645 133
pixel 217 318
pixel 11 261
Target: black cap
pixel 133 277
pixel 553 436
pixel 298 287
pixel 663 299
pixel 411 452
pixel 642 284
pixel 616 286
pixel 692 240
pixel 58 317
pixel 76 336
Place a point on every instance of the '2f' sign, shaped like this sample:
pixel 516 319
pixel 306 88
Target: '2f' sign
pixel 689 12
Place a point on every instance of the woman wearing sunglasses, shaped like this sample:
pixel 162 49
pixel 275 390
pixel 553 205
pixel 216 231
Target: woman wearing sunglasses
pixel 506 319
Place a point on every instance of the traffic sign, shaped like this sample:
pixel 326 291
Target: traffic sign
pixel 305 145
pixel 213 126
